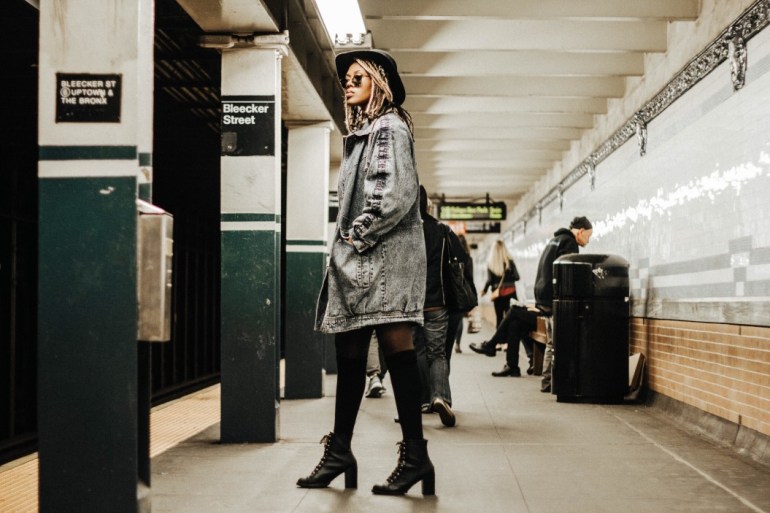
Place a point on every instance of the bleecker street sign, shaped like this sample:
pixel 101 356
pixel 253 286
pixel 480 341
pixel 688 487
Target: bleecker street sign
pixel 473 211
pixel 248 125
pixel 88 98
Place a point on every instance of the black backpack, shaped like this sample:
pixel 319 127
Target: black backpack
pixel 460 292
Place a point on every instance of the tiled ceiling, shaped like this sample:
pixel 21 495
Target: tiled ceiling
pixel 499 89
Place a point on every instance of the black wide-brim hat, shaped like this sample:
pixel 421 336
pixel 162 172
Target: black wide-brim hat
pixel 380 57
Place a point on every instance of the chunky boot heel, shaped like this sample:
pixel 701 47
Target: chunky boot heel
pixel 351 477
pixel 337 458
pixel 413 465
pixel 429 484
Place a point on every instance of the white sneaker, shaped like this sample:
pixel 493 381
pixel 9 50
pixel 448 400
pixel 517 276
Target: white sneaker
pixel 375 388
pixel 444 412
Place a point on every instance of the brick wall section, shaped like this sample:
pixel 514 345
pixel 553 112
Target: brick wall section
pixel 719 368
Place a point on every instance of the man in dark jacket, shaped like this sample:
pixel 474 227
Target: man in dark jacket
pixel 520 321
pixel 429 339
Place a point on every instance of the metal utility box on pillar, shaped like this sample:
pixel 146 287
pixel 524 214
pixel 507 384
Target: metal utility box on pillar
pixel 155 243
pixel 154 258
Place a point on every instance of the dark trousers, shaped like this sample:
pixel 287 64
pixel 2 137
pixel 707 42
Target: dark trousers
pixel 513 330
pixel 453 332
pixel 429 345
pixel 502 305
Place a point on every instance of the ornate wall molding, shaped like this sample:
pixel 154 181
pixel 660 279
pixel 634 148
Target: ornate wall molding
pixel 730 44
pixel 738 62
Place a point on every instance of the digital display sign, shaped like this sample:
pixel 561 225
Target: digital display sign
pixel 495 211
pixel 482 227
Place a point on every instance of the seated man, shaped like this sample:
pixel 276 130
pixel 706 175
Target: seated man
pixel 518 322
pixel 514 328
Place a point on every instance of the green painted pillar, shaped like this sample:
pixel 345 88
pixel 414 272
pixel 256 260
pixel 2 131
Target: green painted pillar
pixel 250 224
pixel 330 350
pixel 95 130
pixel 307 208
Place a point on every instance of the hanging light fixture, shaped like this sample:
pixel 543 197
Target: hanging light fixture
pixel 343 22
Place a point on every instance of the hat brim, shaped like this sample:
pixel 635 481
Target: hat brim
pixel 384 59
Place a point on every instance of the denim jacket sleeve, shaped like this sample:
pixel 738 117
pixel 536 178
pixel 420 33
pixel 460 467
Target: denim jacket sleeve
pixel 390 186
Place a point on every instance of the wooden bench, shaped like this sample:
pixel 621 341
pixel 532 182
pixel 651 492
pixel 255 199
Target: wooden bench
pixel 539 338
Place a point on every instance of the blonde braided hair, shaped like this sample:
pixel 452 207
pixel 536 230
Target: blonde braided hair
pixel 380 101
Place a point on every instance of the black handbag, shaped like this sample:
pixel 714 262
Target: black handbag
pixel 460 292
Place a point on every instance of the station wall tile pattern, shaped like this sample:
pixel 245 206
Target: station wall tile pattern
pixel 691 216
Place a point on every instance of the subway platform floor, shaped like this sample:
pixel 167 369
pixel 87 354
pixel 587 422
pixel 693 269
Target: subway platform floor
pixel 514 449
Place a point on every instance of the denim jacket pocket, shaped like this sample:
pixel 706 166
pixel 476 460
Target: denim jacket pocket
pixel 364 270
pixel 370 267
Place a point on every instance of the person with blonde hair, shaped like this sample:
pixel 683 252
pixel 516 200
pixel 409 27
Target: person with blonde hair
pixel 519 321
pixel 501 279
pixel 455 326
pixel 375 279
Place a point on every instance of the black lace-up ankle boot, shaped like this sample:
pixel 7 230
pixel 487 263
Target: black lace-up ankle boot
pixel 413 465
pixel 337 458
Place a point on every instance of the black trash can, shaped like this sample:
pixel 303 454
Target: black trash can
pixel 590 328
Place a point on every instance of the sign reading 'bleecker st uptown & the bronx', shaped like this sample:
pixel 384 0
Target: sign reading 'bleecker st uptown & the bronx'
pixel 248 125
pixel 88 98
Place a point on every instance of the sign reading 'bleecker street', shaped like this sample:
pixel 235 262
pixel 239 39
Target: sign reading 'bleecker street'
pixel 248 125
pixel 89 98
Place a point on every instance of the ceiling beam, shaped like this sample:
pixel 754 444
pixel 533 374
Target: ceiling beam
pixel 531 9
pixel 520 174
pixel 231 16
pixel 491 165
pixel 513 62
pixel 490 144
pixel 502 119
pixel 491 185
pixel 512 155
pixel 527 133
pixel 554 35
pixel 455 104
pixel 566 87
pixel 499 153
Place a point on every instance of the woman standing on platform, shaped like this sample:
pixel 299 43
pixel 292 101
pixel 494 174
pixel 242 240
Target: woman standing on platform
pixel 455 326
pixel 501 279
pixel 375 280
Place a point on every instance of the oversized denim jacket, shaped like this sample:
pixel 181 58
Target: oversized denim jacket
pixel 380 277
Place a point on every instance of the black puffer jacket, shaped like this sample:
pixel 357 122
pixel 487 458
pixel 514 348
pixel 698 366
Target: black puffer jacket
pixel 563 243
pixel 434 252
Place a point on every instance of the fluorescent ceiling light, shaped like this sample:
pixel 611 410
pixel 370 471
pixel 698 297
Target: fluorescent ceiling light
pixel 343 20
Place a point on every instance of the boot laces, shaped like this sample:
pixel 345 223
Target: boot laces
pixel 401 462
pixel 327 441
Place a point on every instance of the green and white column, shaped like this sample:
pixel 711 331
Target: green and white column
pixel 307 215
pixel 94 132
pixel 250 238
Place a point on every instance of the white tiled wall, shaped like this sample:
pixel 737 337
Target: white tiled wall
pixel 693 215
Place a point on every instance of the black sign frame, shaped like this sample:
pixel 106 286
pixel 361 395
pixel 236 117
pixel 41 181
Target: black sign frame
pixel 482 227
pixel 467 211
pixel 88 97
pixel 248 126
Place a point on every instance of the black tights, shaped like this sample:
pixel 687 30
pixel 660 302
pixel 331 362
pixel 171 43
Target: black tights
pixel 352 348
pixel 502 305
